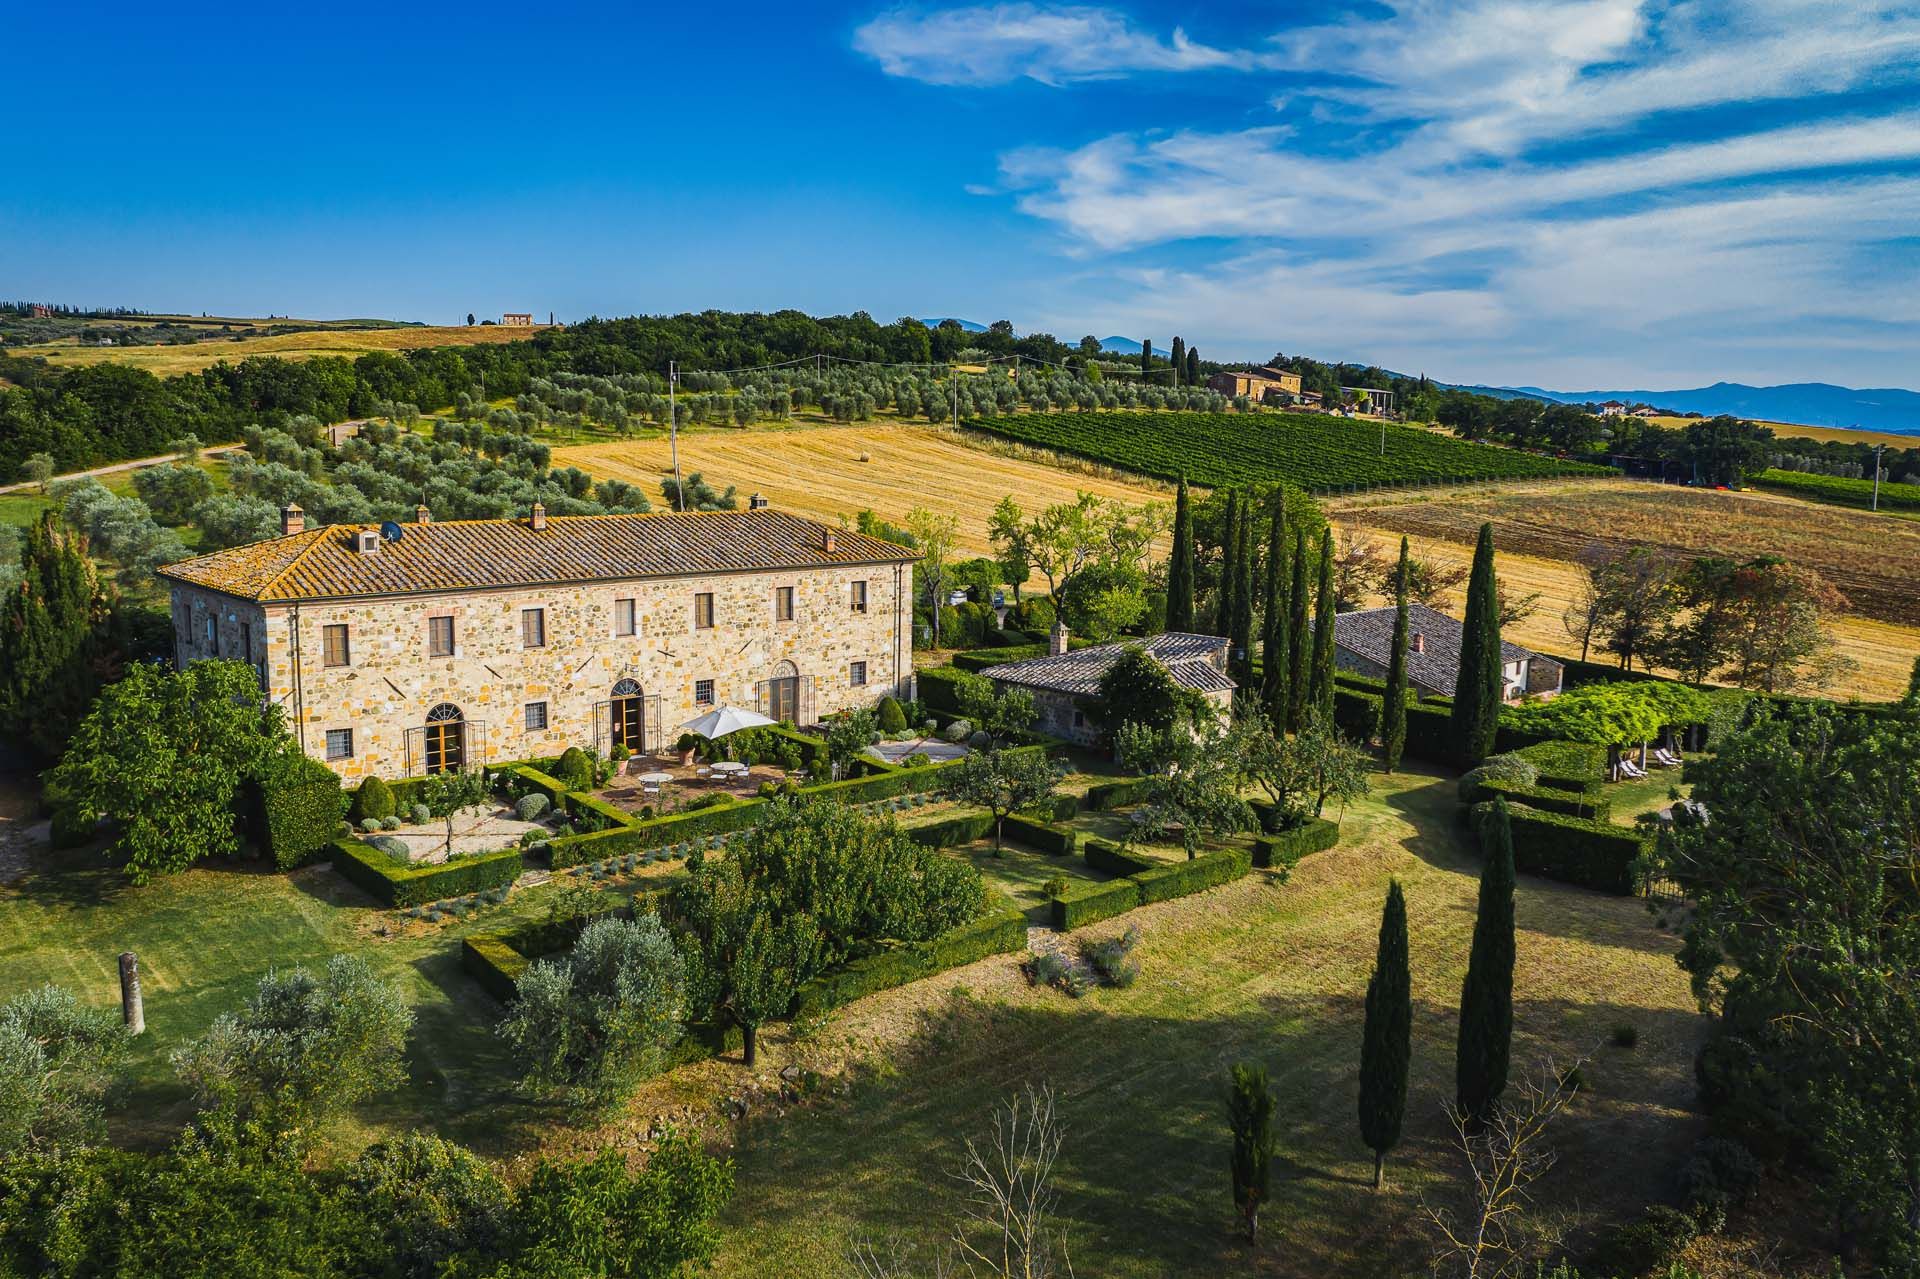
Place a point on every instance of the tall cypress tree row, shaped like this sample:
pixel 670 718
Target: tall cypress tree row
pixel 1229 546
pixel 1179 361
pixel 1298 637
pixel 1393 716
pixel 1386 1045
pixel 1180 566
pixel 1320 690
pixel 1273 642
pixel 1476 692
pixel 1193 366
pixel 1241 641
pixel 1486 999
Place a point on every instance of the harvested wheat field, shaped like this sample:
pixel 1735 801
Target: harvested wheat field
pixel 819 472
pixel 191 357
pixel 1540 529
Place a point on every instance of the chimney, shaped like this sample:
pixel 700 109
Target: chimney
pixel 538 520
pixel 1057 641
pixel 826 540
pixel 1418 643
pixel 758 502
pixel 421 515
pixel 292 520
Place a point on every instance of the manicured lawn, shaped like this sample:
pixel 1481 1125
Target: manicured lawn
pixel 1632 798
pixel 1021 873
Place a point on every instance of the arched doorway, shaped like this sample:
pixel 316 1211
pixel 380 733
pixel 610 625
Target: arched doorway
pixel 446 739
pixel 628 711
pixel 783 693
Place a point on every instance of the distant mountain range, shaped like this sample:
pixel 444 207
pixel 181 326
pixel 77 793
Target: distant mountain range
pixel 1113 345
pixel 968 325
pixel 1802 403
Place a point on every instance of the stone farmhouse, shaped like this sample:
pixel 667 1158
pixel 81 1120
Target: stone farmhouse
pixel 402 650
pixel 1064 683
pixel 1257 384
pixel 1363 643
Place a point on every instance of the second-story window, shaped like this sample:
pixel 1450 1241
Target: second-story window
pixel 783 603
pixel 439 637
pixel 623 618
pixel 334 648
pixel 533 628
pixel 703 611
pixel 859 597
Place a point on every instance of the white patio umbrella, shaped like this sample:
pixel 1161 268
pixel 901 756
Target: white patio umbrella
pixel 723 720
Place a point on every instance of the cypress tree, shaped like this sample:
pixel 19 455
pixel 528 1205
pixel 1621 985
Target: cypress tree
pixel 1229 546
pixel 1476 692
pixel 1320 690
pixel 1273 644
pixel 1386 1045
pixel 1241 641
pixel 1180 567
pixel 1393 718
pixel 1298 637
pixel 1193 366
pixel 1179 360
pixel 1486 998
pixel 1146 357
pixel 1250 1116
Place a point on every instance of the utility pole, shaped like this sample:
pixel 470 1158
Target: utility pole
pixel 673 435
pixel 1877 450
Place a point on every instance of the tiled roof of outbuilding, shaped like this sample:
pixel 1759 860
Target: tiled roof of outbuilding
pixel 1369 633
pixel 478 554
pixel 1189 657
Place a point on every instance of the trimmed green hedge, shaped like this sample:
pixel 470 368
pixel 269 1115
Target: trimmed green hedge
pixel 1552 799
pixel 1572 850
pixel 1152 881
pixel 591 813
pixel 1088 903
pixel 976 660
pixel 1001 929
pixel 640 837
pixel 939 688
pixel 496 965
pixel 1105 855
pixel 1060 808
pixel 1289 846
pixel 950 832
pixel 1105 796
pixel 1037 834
pixel 1575 766
pixel 391 884
pixel 296 814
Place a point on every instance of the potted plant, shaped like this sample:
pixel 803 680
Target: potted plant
pixel 686 746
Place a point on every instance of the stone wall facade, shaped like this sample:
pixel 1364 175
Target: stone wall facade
pixel 383 693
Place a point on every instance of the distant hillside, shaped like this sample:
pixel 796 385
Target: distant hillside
pixel 1121 346
pixel 968 325
pixel 1806 403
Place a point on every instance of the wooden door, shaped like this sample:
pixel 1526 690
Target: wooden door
pixel 446 746
pixel 629 723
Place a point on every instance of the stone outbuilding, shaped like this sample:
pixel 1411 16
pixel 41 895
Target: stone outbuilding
pixel 1363 644
pixel 1065 683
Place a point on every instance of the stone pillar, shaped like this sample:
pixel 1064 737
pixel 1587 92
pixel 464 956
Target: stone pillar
pixel 131 1011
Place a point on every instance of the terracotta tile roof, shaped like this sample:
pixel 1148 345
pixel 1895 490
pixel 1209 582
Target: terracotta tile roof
pixel 1190 658
pixel 476 554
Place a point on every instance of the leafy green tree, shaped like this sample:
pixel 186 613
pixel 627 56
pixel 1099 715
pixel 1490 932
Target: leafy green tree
pixel 1139 689
pixel 934 536
pixel 1761 624
pixel 849 733
pixel 746 964
pixel 1477 689
pixel 1193 784
pixel 605 1015
pixel 1274 664
pixel 1726 450
pixel 1146 357
pixel 1002 782
pixel 38 470
pixel 57 1060
pixel 1486 998
pixel 1299 637
pixel 301 1050
pixel 163 755
pixel 425 1201
pixel 172 491
pixel 1193 366
pixel 446 795
pixel 52 640
pixel 1003 713
pixel 1320 685
pixel 1250 1118
pixel 1393 717
pixel 1180 564
pixel 1386 1043
pixel 227 519
pixel 1302 772
pixel 1805 940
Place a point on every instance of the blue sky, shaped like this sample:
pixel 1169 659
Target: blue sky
pixel 1576 193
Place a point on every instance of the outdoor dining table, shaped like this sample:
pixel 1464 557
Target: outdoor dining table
pixel 731 768
pixel 655 778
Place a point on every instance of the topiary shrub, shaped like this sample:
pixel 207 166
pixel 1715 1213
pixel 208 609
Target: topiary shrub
pixel 619 754
pixel 394 848
pixel 575 769
pixel 958 731
pixel 919 759
pixel 389 823
pixel 419 815
pixel 374 798
pixel 370 824
pixel 979 739
pixel 1509 768
pixel 892 718
pixel 530 807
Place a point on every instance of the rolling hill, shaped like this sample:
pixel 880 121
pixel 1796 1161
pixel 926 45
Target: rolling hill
pixel 1806 403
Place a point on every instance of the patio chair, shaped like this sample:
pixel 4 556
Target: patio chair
pixel 1629 769
pixel 1668 758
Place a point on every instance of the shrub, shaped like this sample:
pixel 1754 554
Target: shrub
pixel 419 814
pixel 296 805
pixel 1054 887
pixel 390 846
pixel 1718 1177
pixel 958 731
pixel 620 753
pixel 575 769
pixel 716 799
pixel 1113 959
pixel 892 718
pixel 530 806
pixel 1625 1035
pixel 1650 1243
pixel 1509 767
pixel 1051 970
pixel 370 824
pixel 374 798
pixel 389 823
pixel 919 759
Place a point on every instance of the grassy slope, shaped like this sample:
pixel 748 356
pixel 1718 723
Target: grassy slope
pixel 164 361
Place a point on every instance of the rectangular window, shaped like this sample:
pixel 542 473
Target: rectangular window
pixel 783 603
pixel 703 692
pixel 623 618
pixel 246 641
pixel 533 628
pixel 536 717
pixel 857 674
pixel 339 743
pixel 334 649
pixel 213 635
pixel 703 611
pixel 859 597
pixel 439 637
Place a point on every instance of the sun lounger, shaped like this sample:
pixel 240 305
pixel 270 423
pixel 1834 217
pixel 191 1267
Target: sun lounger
pixel 1668 758
pixel 1629 769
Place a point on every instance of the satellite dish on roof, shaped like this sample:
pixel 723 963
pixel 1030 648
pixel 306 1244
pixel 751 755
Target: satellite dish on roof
pixel 390 531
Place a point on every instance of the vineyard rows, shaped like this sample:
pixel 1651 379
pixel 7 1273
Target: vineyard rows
pixel 1834 488
pixel 1318 453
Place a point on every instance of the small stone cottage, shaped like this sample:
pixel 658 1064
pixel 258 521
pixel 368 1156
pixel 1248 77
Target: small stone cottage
pixel 1064 682
pixel 1363 644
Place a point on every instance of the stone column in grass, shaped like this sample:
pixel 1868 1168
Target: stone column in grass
pixel 132 1012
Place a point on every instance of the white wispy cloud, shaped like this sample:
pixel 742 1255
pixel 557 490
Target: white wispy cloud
pixel 993 44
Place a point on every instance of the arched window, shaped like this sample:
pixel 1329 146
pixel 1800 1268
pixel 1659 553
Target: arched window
pixel 446 739
pixel 626 688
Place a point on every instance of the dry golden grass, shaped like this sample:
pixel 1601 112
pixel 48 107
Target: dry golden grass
pixel 1541 527
pixel 818 472
pixel 163 361
pixel 1825 434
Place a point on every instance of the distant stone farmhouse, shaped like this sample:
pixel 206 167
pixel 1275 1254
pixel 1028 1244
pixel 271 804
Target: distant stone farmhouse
pixel 469 641
pixel 517 319
pixel 1063 682
pixel 1256 384
pixel 1363 643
